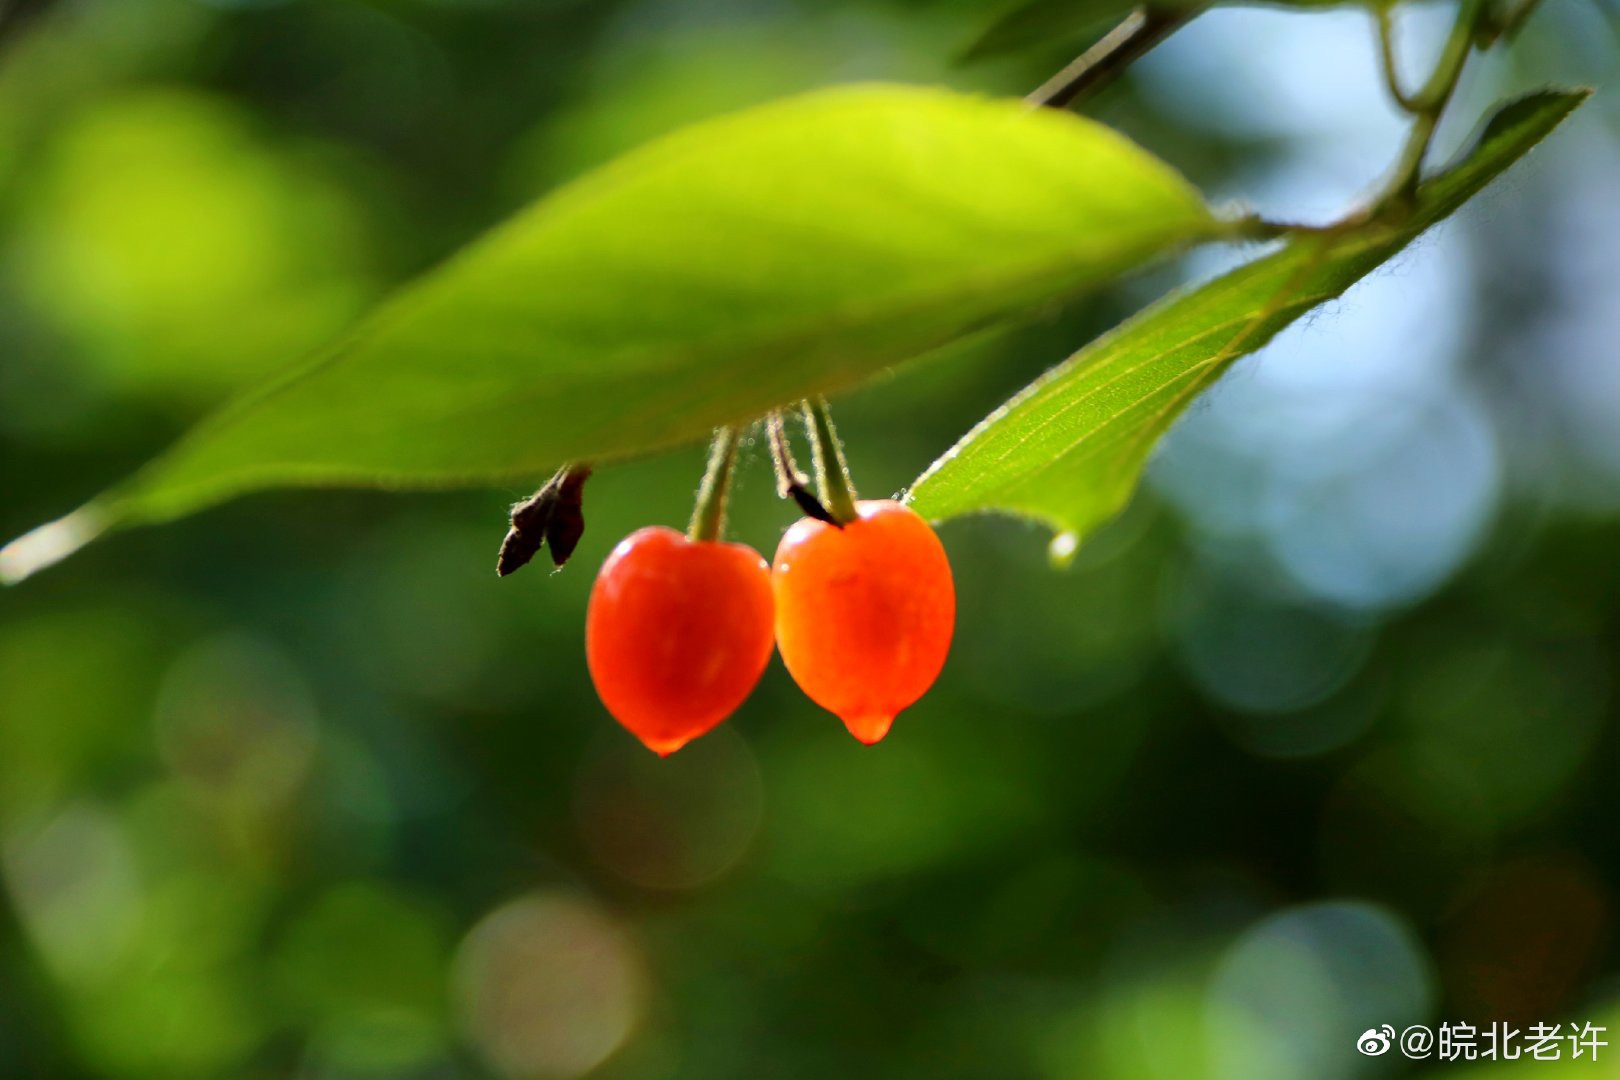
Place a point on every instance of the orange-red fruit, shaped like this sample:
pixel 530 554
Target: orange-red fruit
pixel 864 614
pixel 677 634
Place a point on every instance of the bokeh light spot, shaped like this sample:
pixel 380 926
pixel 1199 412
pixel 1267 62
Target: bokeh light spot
pixel 548 987
pixel 670 823
pixel 1310 980
pixel 75 882
pixel 364 967
pixel 235 718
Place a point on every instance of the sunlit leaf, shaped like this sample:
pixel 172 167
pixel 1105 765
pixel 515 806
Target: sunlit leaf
pixel 739 264
pixel 1068 449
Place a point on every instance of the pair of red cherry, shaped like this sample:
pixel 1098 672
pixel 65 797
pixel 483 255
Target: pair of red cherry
pixel 679 631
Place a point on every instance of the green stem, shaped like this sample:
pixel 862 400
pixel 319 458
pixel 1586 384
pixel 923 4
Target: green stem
pixel 832 473
pixel 790 482
pixel 1430 102
pixel 709 515
pixel 1256 227
pixel 788 475
pixel 1386 55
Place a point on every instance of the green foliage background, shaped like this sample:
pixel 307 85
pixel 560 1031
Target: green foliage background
pixel 297 787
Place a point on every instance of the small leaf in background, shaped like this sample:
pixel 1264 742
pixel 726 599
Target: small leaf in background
pixel 1069 449
pixel 1046 24
pixel 1072 24
pixel 785 251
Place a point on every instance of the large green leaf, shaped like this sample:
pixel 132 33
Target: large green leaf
pixel 1068 449
pixel 788 250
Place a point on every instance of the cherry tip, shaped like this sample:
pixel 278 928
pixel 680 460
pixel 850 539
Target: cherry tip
pixel 663 747
pixel 869 729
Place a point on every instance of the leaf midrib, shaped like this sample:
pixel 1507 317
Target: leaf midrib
pixel 125 500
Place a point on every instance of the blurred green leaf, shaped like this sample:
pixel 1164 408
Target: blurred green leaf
pixel 1045 23
pixel 212 234
pixel 1050 23
pixel 1068 449
pixel 784 251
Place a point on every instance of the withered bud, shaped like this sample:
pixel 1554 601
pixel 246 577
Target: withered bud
pixel 553 515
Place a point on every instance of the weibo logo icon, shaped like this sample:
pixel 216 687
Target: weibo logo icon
pixel 1375 1041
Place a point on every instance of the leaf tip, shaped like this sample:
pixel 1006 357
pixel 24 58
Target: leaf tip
pixel 49 544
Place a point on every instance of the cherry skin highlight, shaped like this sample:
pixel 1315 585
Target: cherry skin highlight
pixel 864 614
pixel 677 633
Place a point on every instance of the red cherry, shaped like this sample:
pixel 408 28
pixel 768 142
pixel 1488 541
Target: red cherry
pixel 677 634
pixel 864 614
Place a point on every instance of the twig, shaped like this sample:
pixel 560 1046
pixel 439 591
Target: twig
pixel 1429 104
pixel 1109 57
pixel 1386 55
